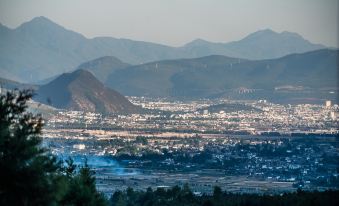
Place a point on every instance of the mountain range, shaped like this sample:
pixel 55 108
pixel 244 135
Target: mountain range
pixel 81 91
pixel 41 49
pixel 310 77
pixel 312 74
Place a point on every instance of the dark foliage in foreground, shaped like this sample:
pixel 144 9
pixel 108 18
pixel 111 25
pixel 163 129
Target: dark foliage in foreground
pixel 184 197
pixel 29 174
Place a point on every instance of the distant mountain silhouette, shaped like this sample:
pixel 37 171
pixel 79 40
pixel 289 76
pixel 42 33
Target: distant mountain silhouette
pixel 10 85
pixel 164 78
pixel 80 90
pixel 40 49
pixel 214 76
pixel 102 67
pixel 263 44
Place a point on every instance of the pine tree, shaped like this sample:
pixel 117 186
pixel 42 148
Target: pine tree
pixel 28 172
pixel 82 190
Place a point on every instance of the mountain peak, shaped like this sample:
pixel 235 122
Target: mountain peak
pixel 44 28
pixel 39 21
pixel 102 67
pixel 197 42
pixel 264 33
pixel 268 33
pixel 82 72
pixel 79 75
pixel 80 90
pixel 110 59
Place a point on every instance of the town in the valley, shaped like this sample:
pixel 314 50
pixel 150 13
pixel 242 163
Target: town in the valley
pixel 241 146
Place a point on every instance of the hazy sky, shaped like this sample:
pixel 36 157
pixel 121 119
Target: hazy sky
pixel 175 22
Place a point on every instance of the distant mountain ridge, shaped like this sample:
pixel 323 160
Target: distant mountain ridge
pixel 8 84
pixel 40 49
pixel 102 67
pixel 81 91
pixel 302 78
pixel 216 76
pixel 263 44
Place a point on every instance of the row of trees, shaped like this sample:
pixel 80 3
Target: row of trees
pixel 184 197
pixel 31 175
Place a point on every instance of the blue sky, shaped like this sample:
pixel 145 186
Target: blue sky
pixel 175 22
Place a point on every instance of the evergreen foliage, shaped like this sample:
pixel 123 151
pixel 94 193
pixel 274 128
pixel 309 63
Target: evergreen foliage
pixel 29 174
pixel 184 197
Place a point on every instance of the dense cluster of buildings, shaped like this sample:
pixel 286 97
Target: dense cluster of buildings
pixel 259 117
pixel 261 148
